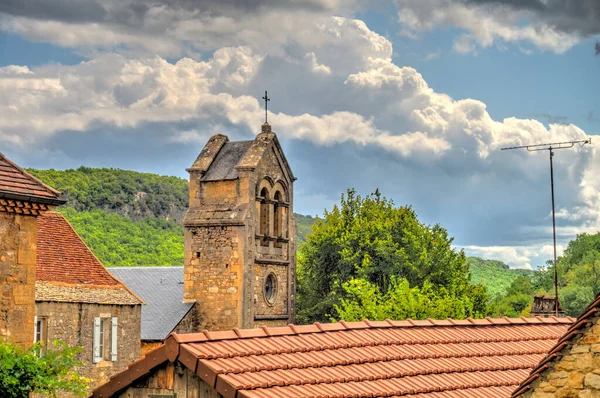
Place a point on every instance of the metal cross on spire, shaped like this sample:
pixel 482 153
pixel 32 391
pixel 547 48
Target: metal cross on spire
pixel 267 99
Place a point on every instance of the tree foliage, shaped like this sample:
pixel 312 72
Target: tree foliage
pixel 578 280
pixel 118 241
pixel 26 371
pixel 368 250
pixel 517 300
pixel 137 194
pixel 579 269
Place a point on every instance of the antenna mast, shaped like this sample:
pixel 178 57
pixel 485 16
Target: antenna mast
pixel 550 148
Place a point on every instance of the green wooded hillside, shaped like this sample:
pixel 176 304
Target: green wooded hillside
pixel 496 275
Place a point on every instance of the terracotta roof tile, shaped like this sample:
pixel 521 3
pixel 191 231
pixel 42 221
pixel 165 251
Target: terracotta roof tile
pixel 16 183
pixel 472 358
pixel 64 260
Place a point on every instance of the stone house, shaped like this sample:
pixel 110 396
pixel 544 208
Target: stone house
pixel 572 367
pixel 164 312
pixel 239 234
pixel 424 359
pixel 23 198
pixel 78 302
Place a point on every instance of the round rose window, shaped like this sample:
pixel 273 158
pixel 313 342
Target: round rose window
pixel 270 288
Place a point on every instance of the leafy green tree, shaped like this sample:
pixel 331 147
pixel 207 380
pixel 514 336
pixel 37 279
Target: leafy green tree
pixel 578 274
pixel 368 246
pixel 365 301
pixel 26 371
pixel 517 300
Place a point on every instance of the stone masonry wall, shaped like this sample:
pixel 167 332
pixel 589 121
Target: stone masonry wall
pixel 214 277
pixel 576 372
pixel 192 322
pixel 73 324
pixel 218 192
pixel 18 236
pixel 271 166
pixel 279 306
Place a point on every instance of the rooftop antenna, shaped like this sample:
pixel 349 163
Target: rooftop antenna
pixel 550 148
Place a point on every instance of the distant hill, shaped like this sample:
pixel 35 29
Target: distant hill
pixel 496 275
pixel 303 227
pixel 129 218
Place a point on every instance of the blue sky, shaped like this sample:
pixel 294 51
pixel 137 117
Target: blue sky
pixel 414 98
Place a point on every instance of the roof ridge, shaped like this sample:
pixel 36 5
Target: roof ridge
pixel 318 327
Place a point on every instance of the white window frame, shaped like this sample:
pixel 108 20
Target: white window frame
pixel 39 329
pixel 101 339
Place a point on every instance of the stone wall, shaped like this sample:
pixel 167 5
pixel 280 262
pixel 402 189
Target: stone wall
pixel 18 237
pixel 277 258
pixel 72 323
pixel 214 277
pixel 279 305
pixel 192 322
pixel 576 371
pixel 218 192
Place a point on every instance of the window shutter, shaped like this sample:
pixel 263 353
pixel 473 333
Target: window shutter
pixel 97 355
pixel 113 344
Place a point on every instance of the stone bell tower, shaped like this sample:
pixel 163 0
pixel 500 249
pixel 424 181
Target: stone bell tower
pixel 240 234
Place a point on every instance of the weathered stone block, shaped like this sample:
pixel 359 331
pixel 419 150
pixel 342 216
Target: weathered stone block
pixel 592 380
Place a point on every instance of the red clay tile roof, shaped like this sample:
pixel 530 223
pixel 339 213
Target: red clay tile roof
pixel 16 183
pixel 63 257
pixel 448 358
pixel 574 331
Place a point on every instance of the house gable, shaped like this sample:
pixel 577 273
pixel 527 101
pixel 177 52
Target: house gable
pixel 68 271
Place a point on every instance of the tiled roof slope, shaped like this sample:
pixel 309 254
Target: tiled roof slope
pixel 64 260
pixel 16 183
pixel 585 319
pixel 161 288
pixel 447 358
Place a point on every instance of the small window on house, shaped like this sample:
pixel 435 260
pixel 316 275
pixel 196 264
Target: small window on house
pixel 264 216
pixel 270 288
pixel 105 339
pixel 39 333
